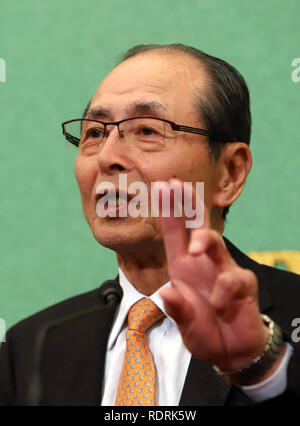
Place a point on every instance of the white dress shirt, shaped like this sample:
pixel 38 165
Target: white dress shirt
pixel 170 356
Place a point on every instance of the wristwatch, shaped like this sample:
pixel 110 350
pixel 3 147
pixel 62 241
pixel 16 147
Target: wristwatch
pixel 261 364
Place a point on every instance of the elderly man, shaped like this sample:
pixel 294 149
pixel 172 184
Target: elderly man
pixel 189 329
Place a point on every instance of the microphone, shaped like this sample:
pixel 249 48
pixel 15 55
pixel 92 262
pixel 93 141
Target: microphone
pixel 111 294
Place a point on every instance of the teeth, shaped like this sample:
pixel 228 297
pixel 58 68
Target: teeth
pixel 121 201
pixel 122 196
pixel 113 198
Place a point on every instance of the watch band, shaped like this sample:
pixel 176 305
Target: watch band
pixel 262 363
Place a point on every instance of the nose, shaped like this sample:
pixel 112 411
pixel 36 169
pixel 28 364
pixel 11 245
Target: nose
pixel 114 156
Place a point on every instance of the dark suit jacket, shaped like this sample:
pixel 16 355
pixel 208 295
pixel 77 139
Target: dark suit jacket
pixel 72 362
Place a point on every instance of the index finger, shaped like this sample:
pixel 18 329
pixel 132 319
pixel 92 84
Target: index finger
pixel 174 221
pixel 173 227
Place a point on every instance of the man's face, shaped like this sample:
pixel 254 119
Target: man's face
pixel 162 86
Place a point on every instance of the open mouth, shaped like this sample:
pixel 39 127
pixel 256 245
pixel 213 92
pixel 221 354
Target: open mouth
pixel 110 202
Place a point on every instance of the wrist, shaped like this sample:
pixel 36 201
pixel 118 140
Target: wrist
pixel 271 370
pixel 263 365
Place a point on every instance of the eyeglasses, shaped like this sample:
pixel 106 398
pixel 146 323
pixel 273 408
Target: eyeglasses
pixel 145 133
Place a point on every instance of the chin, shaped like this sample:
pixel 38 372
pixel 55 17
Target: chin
pixel 124 235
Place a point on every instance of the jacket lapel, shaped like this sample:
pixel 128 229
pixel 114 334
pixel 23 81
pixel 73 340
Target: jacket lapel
pixel 202 386
pixel 79 350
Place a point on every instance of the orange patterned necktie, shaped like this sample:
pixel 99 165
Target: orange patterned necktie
pixel 137 380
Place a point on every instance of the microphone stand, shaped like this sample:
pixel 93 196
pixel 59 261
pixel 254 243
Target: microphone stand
pixel 111 294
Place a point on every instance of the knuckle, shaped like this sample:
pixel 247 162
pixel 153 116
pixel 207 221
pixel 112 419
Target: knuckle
pixel 214 234
pixel 249 275
pixel 227 281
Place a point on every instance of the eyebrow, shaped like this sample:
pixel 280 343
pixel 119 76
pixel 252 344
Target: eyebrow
pixel 150 107
pixel 97 112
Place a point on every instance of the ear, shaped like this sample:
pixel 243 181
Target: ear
pixel 234 164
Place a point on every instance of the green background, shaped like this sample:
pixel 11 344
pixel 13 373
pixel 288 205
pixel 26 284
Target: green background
pixel 56 54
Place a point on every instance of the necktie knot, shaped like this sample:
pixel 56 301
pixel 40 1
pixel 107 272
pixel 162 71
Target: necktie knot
pixel 143 315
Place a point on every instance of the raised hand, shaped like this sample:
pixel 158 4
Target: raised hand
pixel 213 301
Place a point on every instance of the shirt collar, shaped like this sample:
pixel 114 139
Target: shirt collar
pixel 130 296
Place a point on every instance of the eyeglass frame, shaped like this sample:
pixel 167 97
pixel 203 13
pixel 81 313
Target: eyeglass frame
pixel 176 127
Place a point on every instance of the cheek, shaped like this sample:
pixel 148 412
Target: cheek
pixel 85 175
pixel 160 168
pixel 187 167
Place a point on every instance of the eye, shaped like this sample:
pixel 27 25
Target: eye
pixel 95 133
pixel 145 131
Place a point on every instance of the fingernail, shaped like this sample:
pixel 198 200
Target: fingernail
pixel 195 247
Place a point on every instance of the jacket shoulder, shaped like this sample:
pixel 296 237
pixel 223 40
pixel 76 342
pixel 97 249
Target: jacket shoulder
pixel 61 309
pixel 279 290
